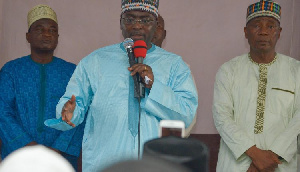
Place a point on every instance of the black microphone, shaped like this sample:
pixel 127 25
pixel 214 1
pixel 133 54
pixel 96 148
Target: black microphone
pixel 128 43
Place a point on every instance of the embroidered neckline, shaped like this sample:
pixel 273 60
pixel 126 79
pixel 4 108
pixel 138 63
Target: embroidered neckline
pixel 265 64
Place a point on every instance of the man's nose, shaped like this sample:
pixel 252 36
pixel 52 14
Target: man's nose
pixel 46 32
pixel 264 30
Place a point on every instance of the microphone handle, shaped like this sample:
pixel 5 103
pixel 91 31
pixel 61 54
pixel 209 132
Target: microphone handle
pixel 139 89
pixel 139 79
pixel 130 56
pixel 140 61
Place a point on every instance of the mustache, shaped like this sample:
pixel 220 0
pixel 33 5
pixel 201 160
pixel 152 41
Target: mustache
pixel 137 34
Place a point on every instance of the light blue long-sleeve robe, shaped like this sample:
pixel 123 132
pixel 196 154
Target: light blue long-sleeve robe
pixel 101 86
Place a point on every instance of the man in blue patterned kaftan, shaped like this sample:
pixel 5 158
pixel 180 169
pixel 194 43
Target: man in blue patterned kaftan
pixel 102 84
pixel 30 89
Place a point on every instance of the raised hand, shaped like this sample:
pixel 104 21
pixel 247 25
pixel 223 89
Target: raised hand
pixel 67 111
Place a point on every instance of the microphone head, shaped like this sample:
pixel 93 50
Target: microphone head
pixel 128 43
pixel 140 49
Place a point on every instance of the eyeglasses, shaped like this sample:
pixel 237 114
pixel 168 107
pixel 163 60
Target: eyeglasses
pixel 132 21
pixel 269 27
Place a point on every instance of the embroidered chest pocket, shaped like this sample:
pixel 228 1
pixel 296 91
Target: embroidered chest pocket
pixel 281 101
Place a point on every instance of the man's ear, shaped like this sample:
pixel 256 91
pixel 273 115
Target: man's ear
pixel 28 37
pixel 120 24
pixel 280 29
pixel 246 32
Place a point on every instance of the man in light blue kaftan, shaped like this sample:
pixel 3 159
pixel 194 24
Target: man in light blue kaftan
pixel 101 86
pixel 30 89
pixel 101 83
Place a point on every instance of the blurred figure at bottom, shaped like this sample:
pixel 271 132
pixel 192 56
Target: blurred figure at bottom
pixel 148 165
pixel 35 159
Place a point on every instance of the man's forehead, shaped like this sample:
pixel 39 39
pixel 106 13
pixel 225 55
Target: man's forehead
pixel 138 13
pixel 264 18
pixel 44 21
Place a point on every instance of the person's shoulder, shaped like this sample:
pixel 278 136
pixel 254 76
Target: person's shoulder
pixel 162 51
pixel 107 49
pixel 64 62
pixel 102 52
pixel 169 58
pixel 235 62
pixel 16 62
pixel 288 58
pixel 233 66
pixel 292 62
pixel 101 55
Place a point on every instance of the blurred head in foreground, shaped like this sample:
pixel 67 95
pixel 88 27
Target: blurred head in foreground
pixel 35 159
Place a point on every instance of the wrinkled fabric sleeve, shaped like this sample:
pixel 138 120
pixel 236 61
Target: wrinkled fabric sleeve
pixel 12 133
pixel 223 113
pixel 70 141
pixel 285 145
pixel 79 85
pixel 178 100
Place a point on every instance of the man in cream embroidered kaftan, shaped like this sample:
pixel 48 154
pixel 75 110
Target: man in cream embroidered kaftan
pixel 235 102
pixel 256 100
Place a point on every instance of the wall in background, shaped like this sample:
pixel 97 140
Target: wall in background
pixel 205 33
pixel 295 45
pixel 1 17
